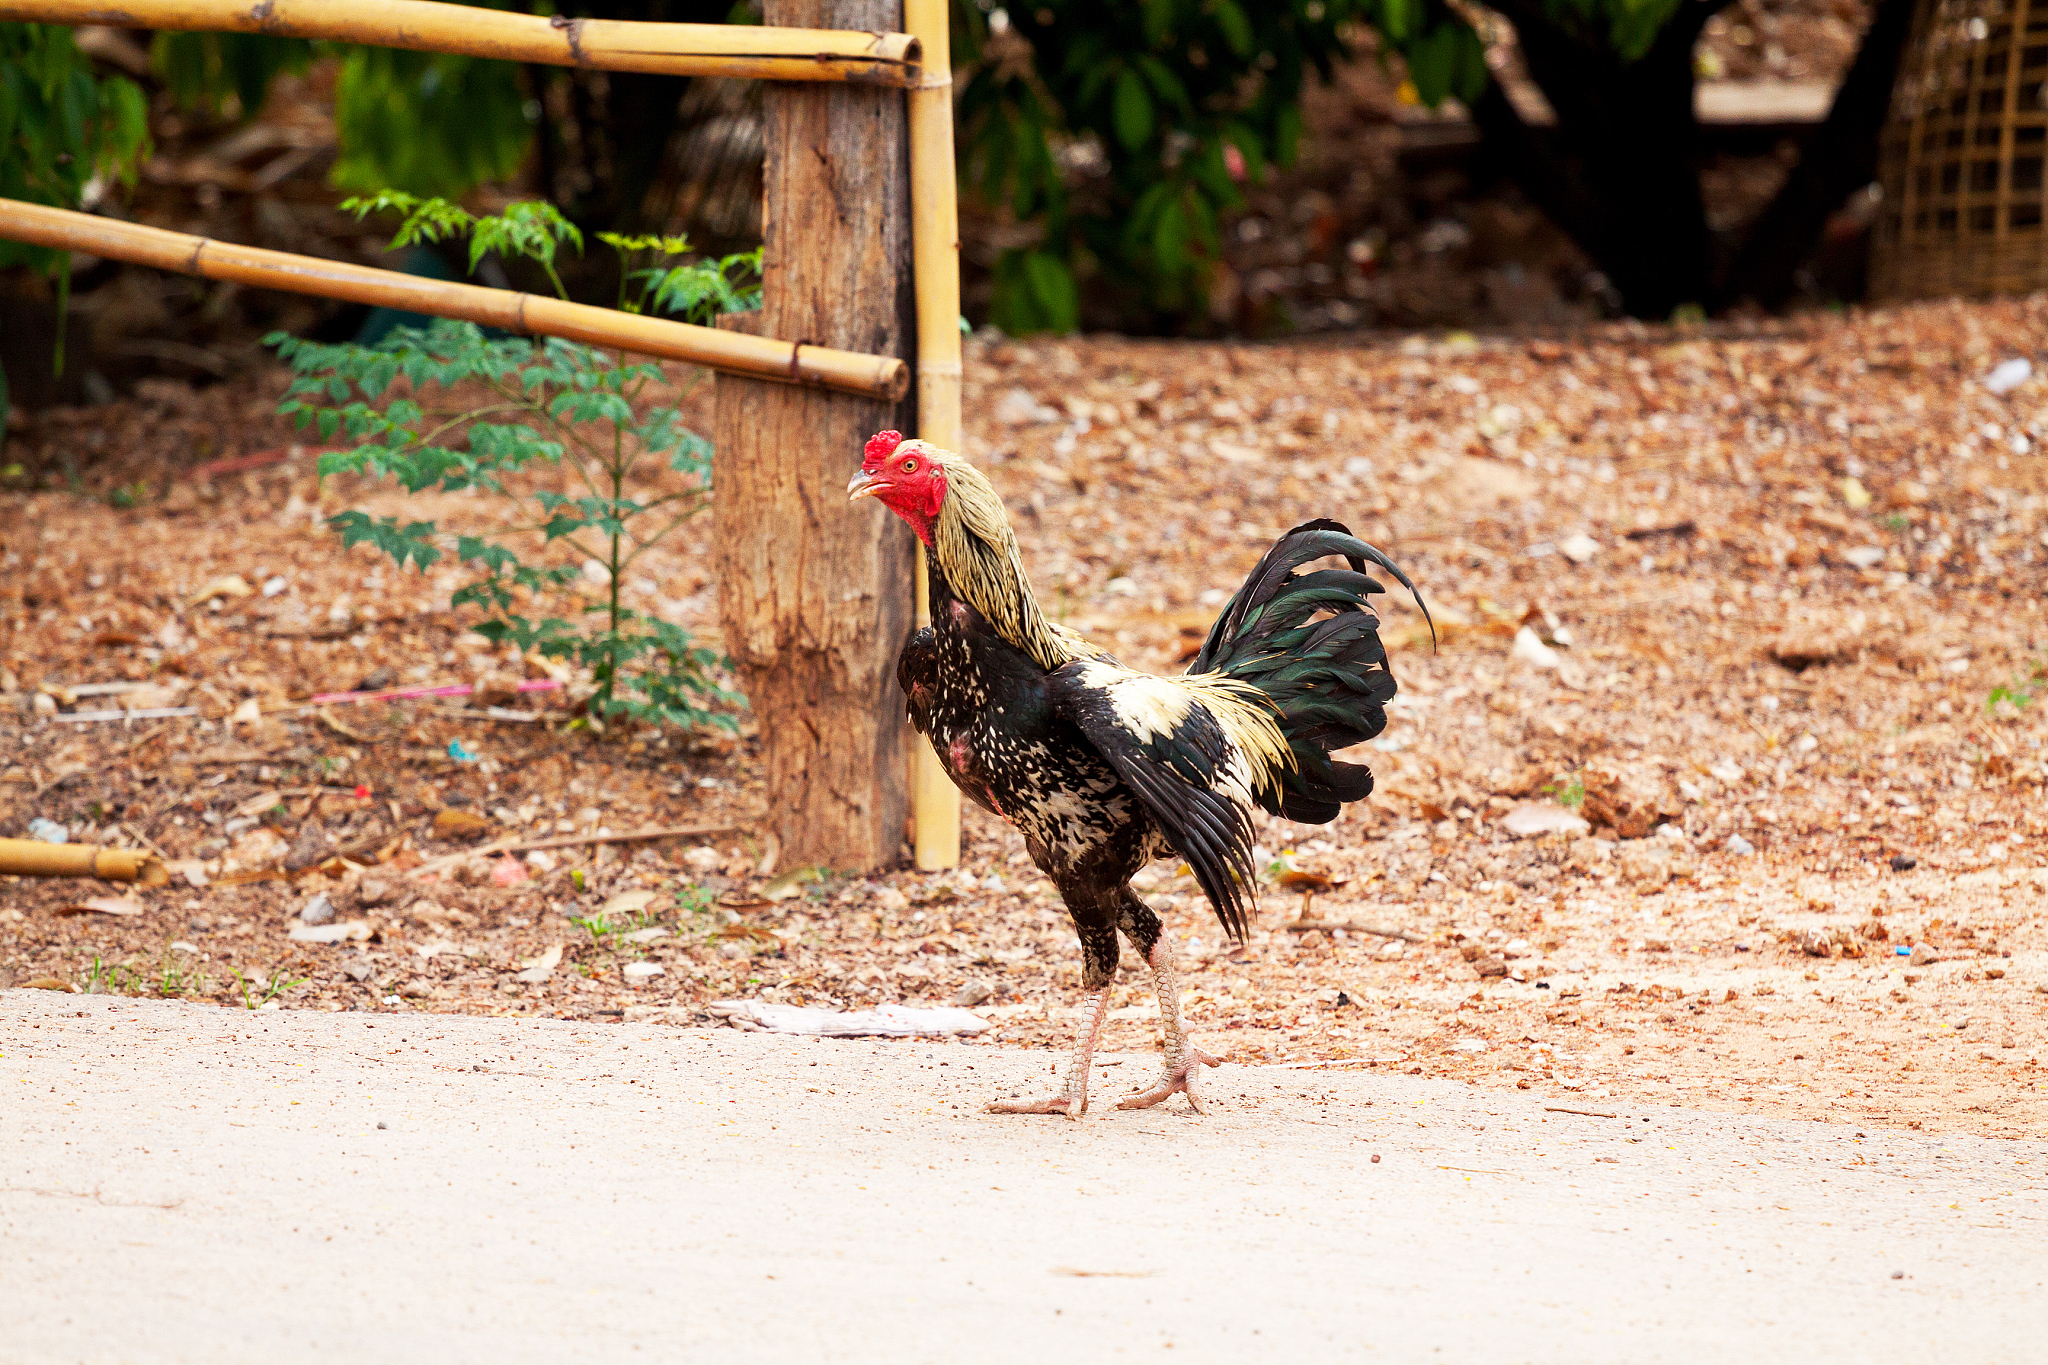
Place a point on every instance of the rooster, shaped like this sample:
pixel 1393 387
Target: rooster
pixel 1103 768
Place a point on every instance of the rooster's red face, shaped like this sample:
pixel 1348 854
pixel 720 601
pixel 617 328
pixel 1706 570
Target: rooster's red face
pixel 904 477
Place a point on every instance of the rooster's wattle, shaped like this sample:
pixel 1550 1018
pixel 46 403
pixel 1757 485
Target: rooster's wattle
pixel 1103 768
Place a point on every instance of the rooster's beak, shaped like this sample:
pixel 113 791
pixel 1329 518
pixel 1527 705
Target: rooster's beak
pixel 864 485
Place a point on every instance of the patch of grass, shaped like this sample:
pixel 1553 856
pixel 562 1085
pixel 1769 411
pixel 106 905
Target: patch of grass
pixel 279 983
pixel 174 980
pixel 1571 794
pixel 2022 691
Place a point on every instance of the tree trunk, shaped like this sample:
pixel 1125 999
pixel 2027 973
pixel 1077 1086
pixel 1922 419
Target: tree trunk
pixel 815 593
pixel 1837 158
pixel 1620 174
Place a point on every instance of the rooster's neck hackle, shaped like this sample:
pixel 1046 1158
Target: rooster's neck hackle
pixel 976 550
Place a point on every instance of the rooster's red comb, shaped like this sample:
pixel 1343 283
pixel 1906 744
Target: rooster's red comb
pixel 880 447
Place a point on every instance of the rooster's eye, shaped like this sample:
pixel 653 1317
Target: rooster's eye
pixel 910 466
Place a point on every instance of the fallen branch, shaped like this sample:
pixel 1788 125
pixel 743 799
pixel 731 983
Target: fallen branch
pixel 1583 1113
pixel 569 840
pixel 1302 926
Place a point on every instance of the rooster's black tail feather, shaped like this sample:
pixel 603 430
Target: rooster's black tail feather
pixel 1327 676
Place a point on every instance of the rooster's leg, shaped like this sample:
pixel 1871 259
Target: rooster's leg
pixel 1183 1058
pixel 1073 1101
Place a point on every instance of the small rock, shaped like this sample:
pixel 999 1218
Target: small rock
pixel 642 971
pixel 359 970
pixel 1019 407
pixel 1589 855
pixel 1904 862
pixel 971 994
pixel 1530 649
pixel 416 989
pixel 735 951
pixel 1924 955
pixel 539 968
pixel 647 935
pixel 1994 973
pixel 540 860
pixel 1491 966
pixel 318 910
pixel 1579 549
pixel 1816 942
pixel 1542 817
pixel 341 932
pixel 374 890
pixel 1739 846
pixel 1865 556
pixel 1645 862
pixel 382 1124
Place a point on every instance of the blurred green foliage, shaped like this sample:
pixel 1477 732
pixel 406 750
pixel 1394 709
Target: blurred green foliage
pixel 1125 130
pixel 61 127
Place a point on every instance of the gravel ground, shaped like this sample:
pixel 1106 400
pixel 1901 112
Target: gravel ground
pixel 1790 573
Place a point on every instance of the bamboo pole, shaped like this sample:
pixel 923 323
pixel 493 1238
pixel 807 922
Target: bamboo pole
pixel 871 376
pixel 743 50
pixel 935 255
pixel 31 858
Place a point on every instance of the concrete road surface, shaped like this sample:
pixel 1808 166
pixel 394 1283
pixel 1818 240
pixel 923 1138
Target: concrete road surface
pixel 185 1183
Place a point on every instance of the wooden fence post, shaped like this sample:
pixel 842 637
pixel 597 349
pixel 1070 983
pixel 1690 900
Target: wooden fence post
pixel 815 593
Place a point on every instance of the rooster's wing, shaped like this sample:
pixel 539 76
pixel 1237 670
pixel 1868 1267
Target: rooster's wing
pixel 1169 750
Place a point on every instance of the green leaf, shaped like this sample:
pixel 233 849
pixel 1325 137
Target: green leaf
pixel 1237 29
pixel 1133 110
pixel 1433 64
pixel 1399 20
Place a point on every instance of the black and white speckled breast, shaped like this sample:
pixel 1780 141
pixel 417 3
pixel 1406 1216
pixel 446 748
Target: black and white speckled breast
pixel 983 704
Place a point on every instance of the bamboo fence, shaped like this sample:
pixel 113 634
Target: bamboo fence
pixel 935 258
pixel 741 50
pixel 31 858
pixel 917 60
pixel 871 376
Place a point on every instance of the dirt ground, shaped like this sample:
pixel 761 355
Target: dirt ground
pixel 1792 577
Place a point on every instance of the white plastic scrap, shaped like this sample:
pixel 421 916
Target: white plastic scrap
pixel 2008 375
pixel 886 1021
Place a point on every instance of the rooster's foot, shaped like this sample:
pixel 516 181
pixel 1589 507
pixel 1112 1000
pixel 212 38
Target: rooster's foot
pixel 1179 1080
pixel 1052 1104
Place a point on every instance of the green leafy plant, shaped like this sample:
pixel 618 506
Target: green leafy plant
pixel 544 403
